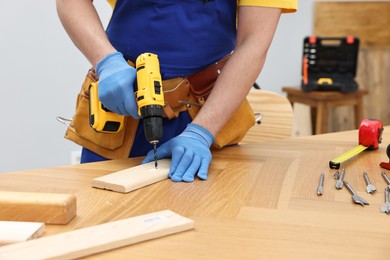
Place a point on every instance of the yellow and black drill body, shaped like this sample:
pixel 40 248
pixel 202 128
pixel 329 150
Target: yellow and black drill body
pixel 150 96
pixel 150 100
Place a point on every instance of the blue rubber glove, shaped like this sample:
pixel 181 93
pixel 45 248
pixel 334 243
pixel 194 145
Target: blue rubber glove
pixel 116 80
pixel 190 153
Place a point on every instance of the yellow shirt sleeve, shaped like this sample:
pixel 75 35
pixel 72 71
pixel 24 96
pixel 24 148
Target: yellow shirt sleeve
pixel 287 6
pixel 112 3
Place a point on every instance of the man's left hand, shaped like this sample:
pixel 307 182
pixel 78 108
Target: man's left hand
pixel 190 153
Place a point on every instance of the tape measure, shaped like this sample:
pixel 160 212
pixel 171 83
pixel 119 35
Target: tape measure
pixel 370 136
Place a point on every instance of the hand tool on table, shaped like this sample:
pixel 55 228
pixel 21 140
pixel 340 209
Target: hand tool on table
pixel 370 136
pixel 320 189
pixel 385 164
pixel 387 179
pixel 150 100
pixel 385 208
pixel 340 183
pixel 355 197
pixel 370 188
pixel 336 175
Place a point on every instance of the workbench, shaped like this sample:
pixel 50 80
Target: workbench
pixel 260 202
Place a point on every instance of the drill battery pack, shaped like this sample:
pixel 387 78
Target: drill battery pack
pixel 329 63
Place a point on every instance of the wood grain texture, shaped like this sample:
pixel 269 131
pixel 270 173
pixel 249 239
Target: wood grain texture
pixel 374 75
pixel 369 20
pixel 277 178
pixel 91 240
pixel 19 231
pixel 133 178
pixel 277 121
pixel 321 230
pixel 50 208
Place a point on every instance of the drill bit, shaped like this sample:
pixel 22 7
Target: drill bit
pixel 320 189
pixel 155 154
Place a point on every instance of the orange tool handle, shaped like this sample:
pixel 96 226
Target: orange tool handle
pixel 305 72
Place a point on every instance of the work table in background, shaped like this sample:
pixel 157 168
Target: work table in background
pixel 260 202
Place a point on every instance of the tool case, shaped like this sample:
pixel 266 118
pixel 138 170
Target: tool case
pixel 329 63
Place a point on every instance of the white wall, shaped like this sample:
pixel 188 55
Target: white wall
pixel 283 64
pixel 41 72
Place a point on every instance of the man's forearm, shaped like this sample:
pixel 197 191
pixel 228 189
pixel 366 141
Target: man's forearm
pixel 256 28
pixel 82 23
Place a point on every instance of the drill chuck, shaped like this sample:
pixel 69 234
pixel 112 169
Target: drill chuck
pixel 153 125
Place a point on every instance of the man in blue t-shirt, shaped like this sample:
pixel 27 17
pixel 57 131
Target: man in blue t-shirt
pixel 187 36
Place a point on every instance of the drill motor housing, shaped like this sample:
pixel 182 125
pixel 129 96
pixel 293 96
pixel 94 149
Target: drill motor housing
pixel 149 97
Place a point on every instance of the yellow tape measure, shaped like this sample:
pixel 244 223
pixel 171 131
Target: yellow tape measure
pixel 335 163
pixel 370 136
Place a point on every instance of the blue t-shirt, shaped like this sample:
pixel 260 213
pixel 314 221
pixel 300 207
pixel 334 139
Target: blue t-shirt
pixel 187 35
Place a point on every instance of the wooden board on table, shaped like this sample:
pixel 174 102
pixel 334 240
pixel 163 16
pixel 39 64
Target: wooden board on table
pixel 95 239
pixel 133 178
pixel 19 231
pixel 50 208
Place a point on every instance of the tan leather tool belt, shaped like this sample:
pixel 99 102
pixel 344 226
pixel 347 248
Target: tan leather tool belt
pixel 180 94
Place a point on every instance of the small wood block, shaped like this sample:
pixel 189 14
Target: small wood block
pixel 91 240
pixel 18 231
pixel 50 208
pixel 133 178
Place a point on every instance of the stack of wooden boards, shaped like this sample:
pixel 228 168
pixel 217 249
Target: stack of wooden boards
pixel 24 214
pixel 51 208
pixel 99 238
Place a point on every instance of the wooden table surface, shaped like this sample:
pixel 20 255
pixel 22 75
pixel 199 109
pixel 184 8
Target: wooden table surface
pixel 260 202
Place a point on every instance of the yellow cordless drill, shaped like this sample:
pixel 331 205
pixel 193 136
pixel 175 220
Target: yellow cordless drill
pixel 150 100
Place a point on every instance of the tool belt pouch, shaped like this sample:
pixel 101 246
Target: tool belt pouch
pixel 241 121
pixel 109 145
pixel 175 90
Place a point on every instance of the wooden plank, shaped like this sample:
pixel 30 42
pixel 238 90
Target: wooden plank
pixel 374 75
pixel 19 231
pixel 133 178
pixel 369 20
pixel 50 208
pixel 95 239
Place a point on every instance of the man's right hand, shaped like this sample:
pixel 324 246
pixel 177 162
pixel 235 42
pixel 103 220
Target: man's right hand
pixel 116 85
